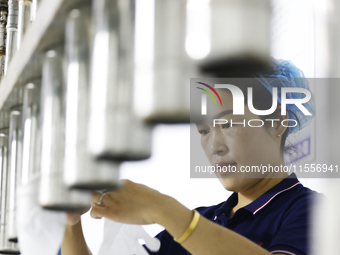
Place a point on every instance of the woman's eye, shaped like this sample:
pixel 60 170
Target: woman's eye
pixel 227 125
pixel 203 132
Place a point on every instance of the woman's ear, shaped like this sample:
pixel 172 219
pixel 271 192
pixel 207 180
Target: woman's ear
pixel 279 129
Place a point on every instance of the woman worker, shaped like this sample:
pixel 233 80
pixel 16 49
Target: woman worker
pixel 264 215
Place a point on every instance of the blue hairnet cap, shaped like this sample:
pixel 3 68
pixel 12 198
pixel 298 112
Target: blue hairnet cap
pixel 285 74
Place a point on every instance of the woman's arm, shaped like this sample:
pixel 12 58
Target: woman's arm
pixel 208 237
pixel 74 241
pixel 137 204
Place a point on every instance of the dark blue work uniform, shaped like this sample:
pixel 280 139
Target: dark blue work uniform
pixel 278 220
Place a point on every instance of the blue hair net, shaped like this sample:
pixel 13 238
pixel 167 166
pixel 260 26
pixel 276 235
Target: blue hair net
pixel 285 74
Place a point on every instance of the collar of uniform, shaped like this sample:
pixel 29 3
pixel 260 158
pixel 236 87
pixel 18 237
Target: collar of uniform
pixel 258 204
pixel 286 184
pixel 227 205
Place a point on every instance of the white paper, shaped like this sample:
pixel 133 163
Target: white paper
pixel 123 239
pixel 40 232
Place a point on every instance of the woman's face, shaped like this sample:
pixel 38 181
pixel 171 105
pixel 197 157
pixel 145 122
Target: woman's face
pixel 238 146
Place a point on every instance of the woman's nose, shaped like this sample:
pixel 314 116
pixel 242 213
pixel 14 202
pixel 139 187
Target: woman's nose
pixel 218 145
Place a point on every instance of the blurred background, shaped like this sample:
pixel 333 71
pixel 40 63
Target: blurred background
pixel 298 34
pixel 95 91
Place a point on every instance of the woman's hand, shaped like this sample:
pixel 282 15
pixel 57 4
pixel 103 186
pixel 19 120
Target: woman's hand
pixel 73 218
pixel 132 203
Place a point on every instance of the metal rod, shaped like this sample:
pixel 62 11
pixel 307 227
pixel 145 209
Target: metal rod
pixel 81 170
pixel 115 132
pixel 12 30
pixel 31 132
pixel 53 192
pixel 163 69
pixel 5 245
pixel 34 8
pixel 24 18
pixel 3 23
pixel 14 164
pixel 239 38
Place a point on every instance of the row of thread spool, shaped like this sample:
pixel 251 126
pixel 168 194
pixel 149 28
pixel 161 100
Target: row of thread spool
pixel 99 89
pixel 15 17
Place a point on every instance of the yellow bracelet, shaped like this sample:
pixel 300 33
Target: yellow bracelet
pixel 191 227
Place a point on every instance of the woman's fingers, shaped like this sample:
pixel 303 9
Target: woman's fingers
pixel 132 203
pixel 72 218
pixel 102 205
pixel 98 212
pixel 95 198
